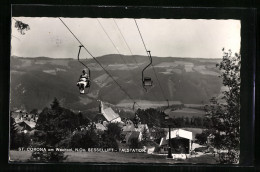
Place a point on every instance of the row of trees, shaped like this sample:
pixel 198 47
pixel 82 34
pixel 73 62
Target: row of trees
pixel 154 117
pixel 194 122
pixel 151 117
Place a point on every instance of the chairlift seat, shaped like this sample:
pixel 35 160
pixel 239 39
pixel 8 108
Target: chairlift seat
pixel 88 84
pixel 147 81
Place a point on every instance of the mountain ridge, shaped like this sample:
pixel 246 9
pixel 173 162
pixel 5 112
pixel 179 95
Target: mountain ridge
pixel 36 81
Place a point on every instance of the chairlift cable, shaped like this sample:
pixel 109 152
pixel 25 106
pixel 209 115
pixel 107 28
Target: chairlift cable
pixel 112 43
pixel 151 64
pixel 125 42
pixel 141 37
pixel 116 49
pixel 97 61
pixel 128 48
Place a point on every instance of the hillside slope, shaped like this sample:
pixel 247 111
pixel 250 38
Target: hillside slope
pixel 36 81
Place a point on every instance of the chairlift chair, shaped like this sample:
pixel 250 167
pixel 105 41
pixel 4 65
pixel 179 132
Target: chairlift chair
pixel 147 81
pixel 89 79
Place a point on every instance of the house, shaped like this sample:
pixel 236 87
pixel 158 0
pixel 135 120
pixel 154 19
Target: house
pixel 130 131
pixel 128 128
pixel 25 126
pixel 20 115
pixel 180 142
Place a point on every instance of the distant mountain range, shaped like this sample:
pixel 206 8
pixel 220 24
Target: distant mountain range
pixel 36 81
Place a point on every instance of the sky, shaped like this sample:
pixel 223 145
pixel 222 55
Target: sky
pixel 200 38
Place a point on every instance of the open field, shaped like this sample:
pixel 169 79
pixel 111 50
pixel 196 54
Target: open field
pixel 185 112
pixel 118 157
pixel 145 104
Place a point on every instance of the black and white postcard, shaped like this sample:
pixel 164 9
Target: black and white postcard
pixel 125 90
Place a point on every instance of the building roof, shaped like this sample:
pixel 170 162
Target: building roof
pixel 31 124
pixel 18 111
pixel 180 133
pixel 129 128
pixel 100 126
pixel 109 114
pixel 163 141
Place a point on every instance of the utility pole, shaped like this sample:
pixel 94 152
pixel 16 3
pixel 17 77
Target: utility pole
pixel 169 156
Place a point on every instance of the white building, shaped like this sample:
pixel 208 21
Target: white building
pixel 109 114
pixel 181 142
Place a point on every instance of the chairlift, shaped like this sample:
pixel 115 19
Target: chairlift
pixel 147 81
pixel 87 80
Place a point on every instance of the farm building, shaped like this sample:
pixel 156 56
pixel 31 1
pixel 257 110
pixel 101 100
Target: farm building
pixel 181 142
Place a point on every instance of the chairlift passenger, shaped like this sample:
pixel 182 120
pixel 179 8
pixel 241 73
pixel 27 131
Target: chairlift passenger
pixel 83 82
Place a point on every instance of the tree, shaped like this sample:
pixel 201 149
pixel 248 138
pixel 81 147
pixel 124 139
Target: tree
pixel 203 137
pixel 135 144
pixel 84 139
pixel 34 111
pixel 48 135
pixel 21 26
pixel 157 134
pixel 225 116
pixel 114 130
pixel 53 128
pixel 151 117
pixel 17 139
pixel 81 120
pixel 13 133
pixel 145 134
pixel 55 105
pixel 187 122
pixel 136 120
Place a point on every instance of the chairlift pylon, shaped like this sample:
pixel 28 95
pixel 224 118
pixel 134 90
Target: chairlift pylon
pixel 147 81
pixel 134 106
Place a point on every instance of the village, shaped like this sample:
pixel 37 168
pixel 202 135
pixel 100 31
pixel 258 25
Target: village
pixel 135 137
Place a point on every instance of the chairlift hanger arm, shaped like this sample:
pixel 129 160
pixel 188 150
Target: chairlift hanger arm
pixel 81 61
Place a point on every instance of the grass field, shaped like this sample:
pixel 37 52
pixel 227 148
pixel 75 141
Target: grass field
pixel 118 157
pixel 186 112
